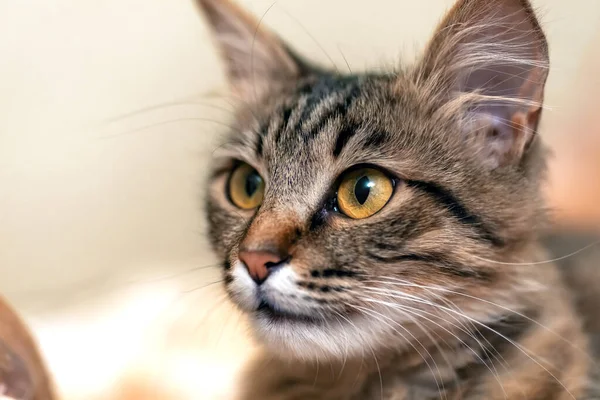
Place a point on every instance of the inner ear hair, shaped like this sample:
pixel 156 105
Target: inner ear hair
pixel 488 61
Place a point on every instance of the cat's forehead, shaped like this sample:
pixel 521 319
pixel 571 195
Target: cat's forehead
pixel 305 121
pixel 312 125
pixel 332 122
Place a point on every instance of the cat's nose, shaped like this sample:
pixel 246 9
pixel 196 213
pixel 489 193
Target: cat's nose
pixel 260 263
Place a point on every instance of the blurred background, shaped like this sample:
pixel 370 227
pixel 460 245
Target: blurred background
pixel 109 112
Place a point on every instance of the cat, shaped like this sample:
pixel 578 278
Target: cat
pixel 382 231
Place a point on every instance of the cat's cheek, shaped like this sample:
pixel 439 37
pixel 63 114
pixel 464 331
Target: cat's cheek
pixel 242 289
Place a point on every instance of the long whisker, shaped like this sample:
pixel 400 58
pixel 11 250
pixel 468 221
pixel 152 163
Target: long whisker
pixel 252 68
pixel 400 282
pixel 316 374
pixel 214 121
pixel 220 302
pixel 420 313
pixel 301 25
pixel 346 341
pixel 425 359
pixel 518 346
pixel 370 348
pixel 458 325
pixel 378 371
pixel 223 325
pixel 175 275
pixel 494 352
pixel 439 349
pixel 358 332
pixel 541 262
pixel 202 287
pixel 461 323
pixel 164 105
pixel 435 343
pixel 345 59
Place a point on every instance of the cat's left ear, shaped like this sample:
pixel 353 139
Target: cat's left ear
pixel 256 60
pixel 489 59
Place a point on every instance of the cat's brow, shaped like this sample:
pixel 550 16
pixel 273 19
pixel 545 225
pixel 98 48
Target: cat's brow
pixel 259 145
pixel 343 138
pixel 314 107
pixel 324 111
pixel 368 138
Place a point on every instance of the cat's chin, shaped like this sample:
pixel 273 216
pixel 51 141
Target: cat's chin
pixel 300 337
pixel 268 314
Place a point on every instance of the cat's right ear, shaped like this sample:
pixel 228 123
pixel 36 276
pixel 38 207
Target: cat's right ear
pixel 489 61
pixel 256 60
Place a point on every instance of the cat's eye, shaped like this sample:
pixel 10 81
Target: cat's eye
pixel 363 192
pixel 246 187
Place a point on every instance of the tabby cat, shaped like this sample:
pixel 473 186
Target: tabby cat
pixel 382 230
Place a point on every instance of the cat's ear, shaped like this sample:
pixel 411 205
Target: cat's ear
pixel 489 58
pixel 256 60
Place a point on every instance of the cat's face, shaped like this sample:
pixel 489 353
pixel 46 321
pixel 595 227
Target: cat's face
pixel 351 211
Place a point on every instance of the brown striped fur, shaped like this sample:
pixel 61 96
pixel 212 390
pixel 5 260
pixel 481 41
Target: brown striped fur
pixel 446 292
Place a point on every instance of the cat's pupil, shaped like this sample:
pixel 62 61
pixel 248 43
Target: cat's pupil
pixel 362 189
pixel 252 183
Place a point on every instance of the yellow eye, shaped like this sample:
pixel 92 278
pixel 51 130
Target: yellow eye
pixel 363 192
pixel 246 187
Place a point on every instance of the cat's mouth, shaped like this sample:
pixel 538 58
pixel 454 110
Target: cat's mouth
pixel 275 314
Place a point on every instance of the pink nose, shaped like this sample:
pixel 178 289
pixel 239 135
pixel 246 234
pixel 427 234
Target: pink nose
pixel 259 263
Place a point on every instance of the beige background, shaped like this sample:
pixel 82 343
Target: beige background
pixel 96 202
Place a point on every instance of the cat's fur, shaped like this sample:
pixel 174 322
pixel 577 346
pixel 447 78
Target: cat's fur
pixel 446 292
pixel 22 371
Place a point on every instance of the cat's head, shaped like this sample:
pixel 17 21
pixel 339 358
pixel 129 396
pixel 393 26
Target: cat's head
pixel 352 210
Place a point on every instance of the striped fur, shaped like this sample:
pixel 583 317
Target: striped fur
pixel 446 292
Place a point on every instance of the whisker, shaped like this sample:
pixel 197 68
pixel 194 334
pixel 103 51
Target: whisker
pixel 344 57
pixel 378 370
pixel 422 328
pixel 419 313
pixel 494 352
pixel 112 136
pixel 396 281
pixel 425 359
pixel 316 374
pixel 164 105
pixel 437 346
pixel 219 300
pixel 224 325
pixel 202 287
pixel 175 275
pixel 301 25
pixel 371 349
pixel 542 262
pixel 346 341
pixel 252 67
pixel 518 346
pixel 461 323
